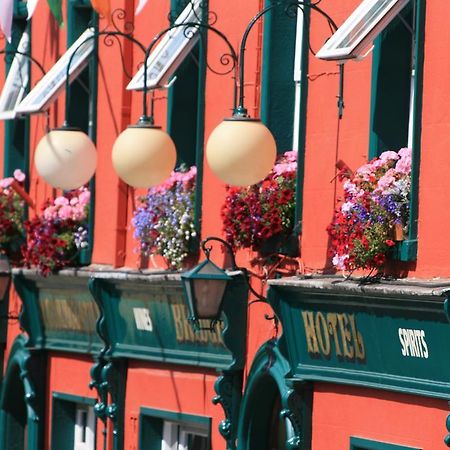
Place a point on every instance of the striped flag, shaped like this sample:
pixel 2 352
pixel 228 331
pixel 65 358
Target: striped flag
pixel 103 7
pixel 56 9
pixel 6 16
pixel 140 6
pixel 31 6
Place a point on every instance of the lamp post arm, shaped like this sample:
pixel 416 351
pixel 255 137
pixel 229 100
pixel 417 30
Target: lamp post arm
pixel 300 4
pixel 207 250
pixel 28 56
pixel 96 35
pixel 189 34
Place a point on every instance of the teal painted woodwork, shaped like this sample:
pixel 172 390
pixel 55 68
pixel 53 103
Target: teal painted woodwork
pixel 63 419
pixel 391 86
pixel 274 413
pixel 366 444
pixel 17 131
pixel 150 321
pixel 59 313
pixel 22 399
pixel 364 335
pixel 277 85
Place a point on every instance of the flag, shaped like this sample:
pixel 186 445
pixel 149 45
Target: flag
pixel 31 6
pixel 6 16
pixel 103 7
pixel 56 9
pixel 140 6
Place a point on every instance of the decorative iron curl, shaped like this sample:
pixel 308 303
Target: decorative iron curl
pixel 95 35
pixel 119 15
pixel 156 39
pixel 109 40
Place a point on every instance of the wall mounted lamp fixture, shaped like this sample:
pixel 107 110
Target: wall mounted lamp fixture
pixel 205 286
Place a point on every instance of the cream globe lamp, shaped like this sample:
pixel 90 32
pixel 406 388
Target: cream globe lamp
pixel 144 155
pixel 241 151
pixel 66 158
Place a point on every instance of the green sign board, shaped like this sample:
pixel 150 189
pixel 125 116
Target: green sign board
pixel 389 337
pixel 149 321
pixel 59 313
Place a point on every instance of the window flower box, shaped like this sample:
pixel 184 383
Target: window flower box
pixel 164 220
pixel 261 217
pixel 374 213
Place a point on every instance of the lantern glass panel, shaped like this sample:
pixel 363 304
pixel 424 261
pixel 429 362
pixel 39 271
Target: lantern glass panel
pixel 209 295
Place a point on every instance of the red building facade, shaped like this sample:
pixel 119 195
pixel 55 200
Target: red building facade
pixel 351 364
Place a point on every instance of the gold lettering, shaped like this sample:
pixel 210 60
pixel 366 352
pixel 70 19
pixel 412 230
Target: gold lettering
pixel 357 339
pixel 332 321
pixel 177 314
pixel 349 351
pixel 323 336
pixel 310 332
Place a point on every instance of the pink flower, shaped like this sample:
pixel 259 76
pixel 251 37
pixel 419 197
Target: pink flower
pixel 84 198
pixel 78 212
pixel 291 156
pixel 404 164
pixel 19 175
pixel 386 181
pixel 339 261
pixel 388 156
pixel 74 201
pixel 50 213
pixel 6 182
pixel 65 212
pixel 61 201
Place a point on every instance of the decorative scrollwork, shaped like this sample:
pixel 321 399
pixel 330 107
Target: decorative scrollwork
pixel 292 412
pixel 118 17
pixel 225 387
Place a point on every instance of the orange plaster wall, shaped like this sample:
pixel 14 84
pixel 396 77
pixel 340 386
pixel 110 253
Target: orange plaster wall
pixel 434 212
pixel 340 412
pixel 179 389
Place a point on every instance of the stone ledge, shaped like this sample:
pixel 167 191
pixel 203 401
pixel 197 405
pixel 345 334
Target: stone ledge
pixel 408 287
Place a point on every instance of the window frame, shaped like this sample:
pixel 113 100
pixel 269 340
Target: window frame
pixel 59 441
pixel 157 418
pixel 332 49
pixel 169 47
pixel 19 70
pixel 357 443
pixel 46 90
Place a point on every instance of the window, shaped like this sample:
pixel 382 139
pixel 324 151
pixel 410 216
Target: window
pixel 396 101
pixel 49 87
pixel 16 81
pixel 166 430
pixel 84 438
pixel 365 444
pixel 73 422
pixel 361 27
pixel 183 437
pixel 170 52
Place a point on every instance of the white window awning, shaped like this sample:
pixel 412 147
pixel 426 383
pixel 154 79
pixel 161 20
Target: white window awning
pixel 366 22
pixel 16 81
pixel 171 51
pixel 52 84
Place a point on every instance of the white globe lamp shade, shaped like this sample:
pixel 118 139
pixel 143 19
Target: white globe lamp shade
pixel 241 151
pixel 66 158
pixel 144 155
